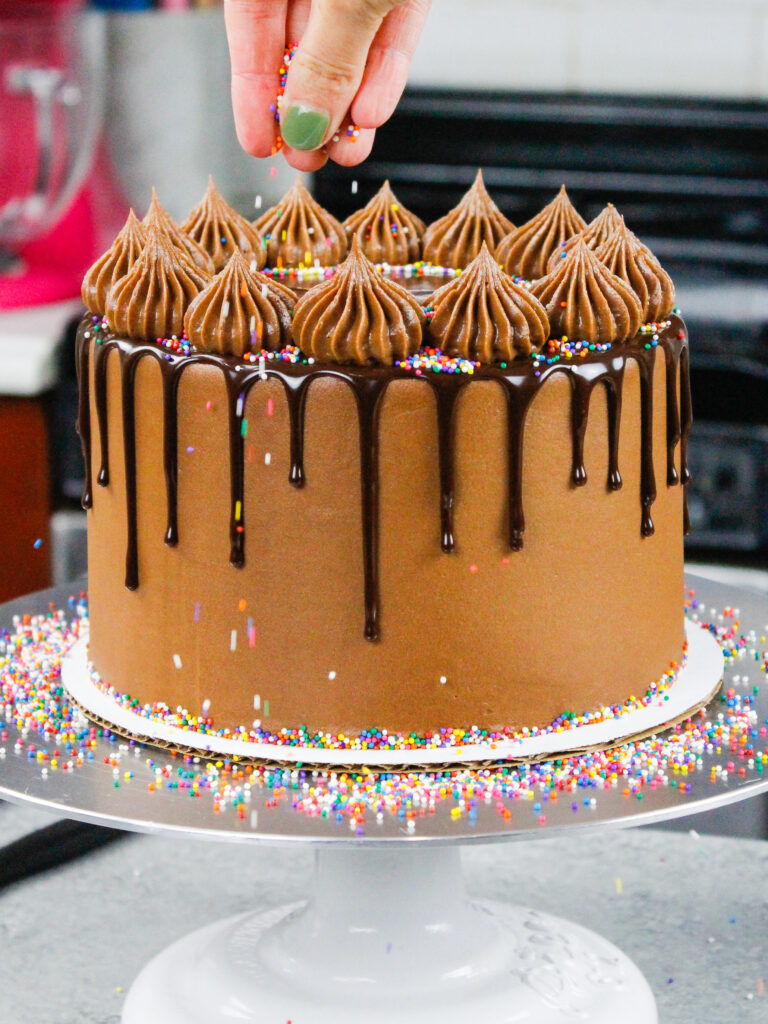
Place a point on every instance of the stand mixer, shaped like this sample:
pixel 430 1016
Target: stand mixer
pixel 51 68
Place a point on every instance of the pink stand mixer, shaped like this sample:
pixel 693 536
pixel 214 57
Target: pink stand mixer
pixel 51 68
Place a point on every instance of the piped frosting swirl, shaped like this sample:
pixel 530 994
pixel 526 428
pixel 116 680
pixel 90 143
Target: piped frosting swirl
pixel 239 311
pixel 483 315
pixel 385 230
pixel 299 231
pixel 525 251
pixel 157 214
pixel 220 229
pixel 594 234
pixel 626 256
pixel 113 264
pixel 152 298
pixel 358 316
pixel 586 302
pixel 456 239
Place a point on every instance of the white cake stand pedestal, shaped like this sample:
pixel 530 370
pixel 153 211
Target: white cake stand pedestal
pixel 390 935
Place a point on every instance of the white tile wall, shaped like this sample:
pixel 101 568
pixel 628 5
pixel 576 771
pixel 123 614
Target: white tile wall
pixel 695 47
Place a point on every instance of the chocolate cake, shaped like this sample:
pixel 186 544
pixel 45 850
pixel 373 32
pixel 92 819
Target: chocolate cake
pixel 348 515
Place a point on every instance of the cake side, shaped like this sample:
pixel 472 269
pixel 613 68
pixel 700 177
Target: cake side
pixel 586 613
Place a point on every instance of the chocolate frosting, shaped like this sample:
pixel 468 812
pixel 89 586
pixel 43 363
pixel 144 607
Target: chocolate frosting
pixel 594 234
pixel 483 315
pixel 239 311
pixel 524 252
pixel 152 298
pixel 626 256
pixel 220 229
pixel 586 302
pixel 455 239
pixel 157 214
pixel 113 264
pixel 299 231
pixel 358 316
pixel 386 231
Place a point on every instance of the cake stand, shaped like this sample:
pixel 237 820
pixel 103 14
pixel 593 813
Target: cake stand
pixel 389 933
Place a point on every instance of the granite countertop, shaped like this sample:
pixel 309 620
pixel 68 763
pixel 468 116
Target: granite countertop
pixel 690 910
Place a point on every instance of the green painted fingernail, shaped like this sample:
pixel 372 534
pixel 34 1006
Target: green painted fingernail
pixel 304 127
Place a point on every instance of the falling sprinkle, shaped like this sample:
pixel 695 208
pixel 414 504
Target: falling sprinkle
pixel 206 705
pixel 256 701
pixel 38 543
pixel 233 640
pixel 257 202
pixel 177 661
pixel 354 188
pixel 331 674
pixel 267 458
pixel 619 887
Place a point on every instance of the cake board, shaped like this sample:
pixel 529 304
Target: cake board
pixel 389 934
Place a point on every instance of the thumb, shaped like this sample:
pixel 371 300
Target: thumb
pixel 327 68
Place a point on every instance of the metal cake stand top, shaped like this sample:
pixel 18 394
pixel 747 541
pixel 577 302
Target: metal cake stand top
pixel 145 789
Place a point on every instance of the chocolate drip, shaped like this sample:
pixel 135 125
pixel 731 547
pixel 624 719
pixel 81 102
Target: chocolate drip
pixel 581 392
pixel 613 392
pixel 647 475
pixel 84 420
pixel 446 403
pixel 673 415
pixel 129 363
pixel 171 456
pixel 518 380
pixel 296 393
pixel 368 393
pixel 100 396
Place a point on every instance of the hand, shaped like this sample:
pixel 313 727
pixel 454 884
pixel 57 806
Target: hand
pixel 350 68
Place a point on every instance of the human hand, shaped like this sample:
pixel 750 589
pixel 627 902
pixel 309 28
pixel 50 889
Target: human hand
pixel 350 68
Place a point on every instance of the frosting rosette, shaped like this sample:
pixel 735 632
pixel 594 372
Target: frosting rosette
pixel 220 229
pixel 594 234
pixel 113 264
pixel 298 231
pixel 157 214
pixel 239 311
pixel 525 251
pixel 626 256
pixel 152 298
pixel 455 239
pixel 385 230
pixel 586 302
pixel 358 316
pixel 485 316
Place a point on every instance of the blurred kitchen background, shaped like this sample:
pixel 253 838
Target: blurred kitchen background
pixel 659 106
